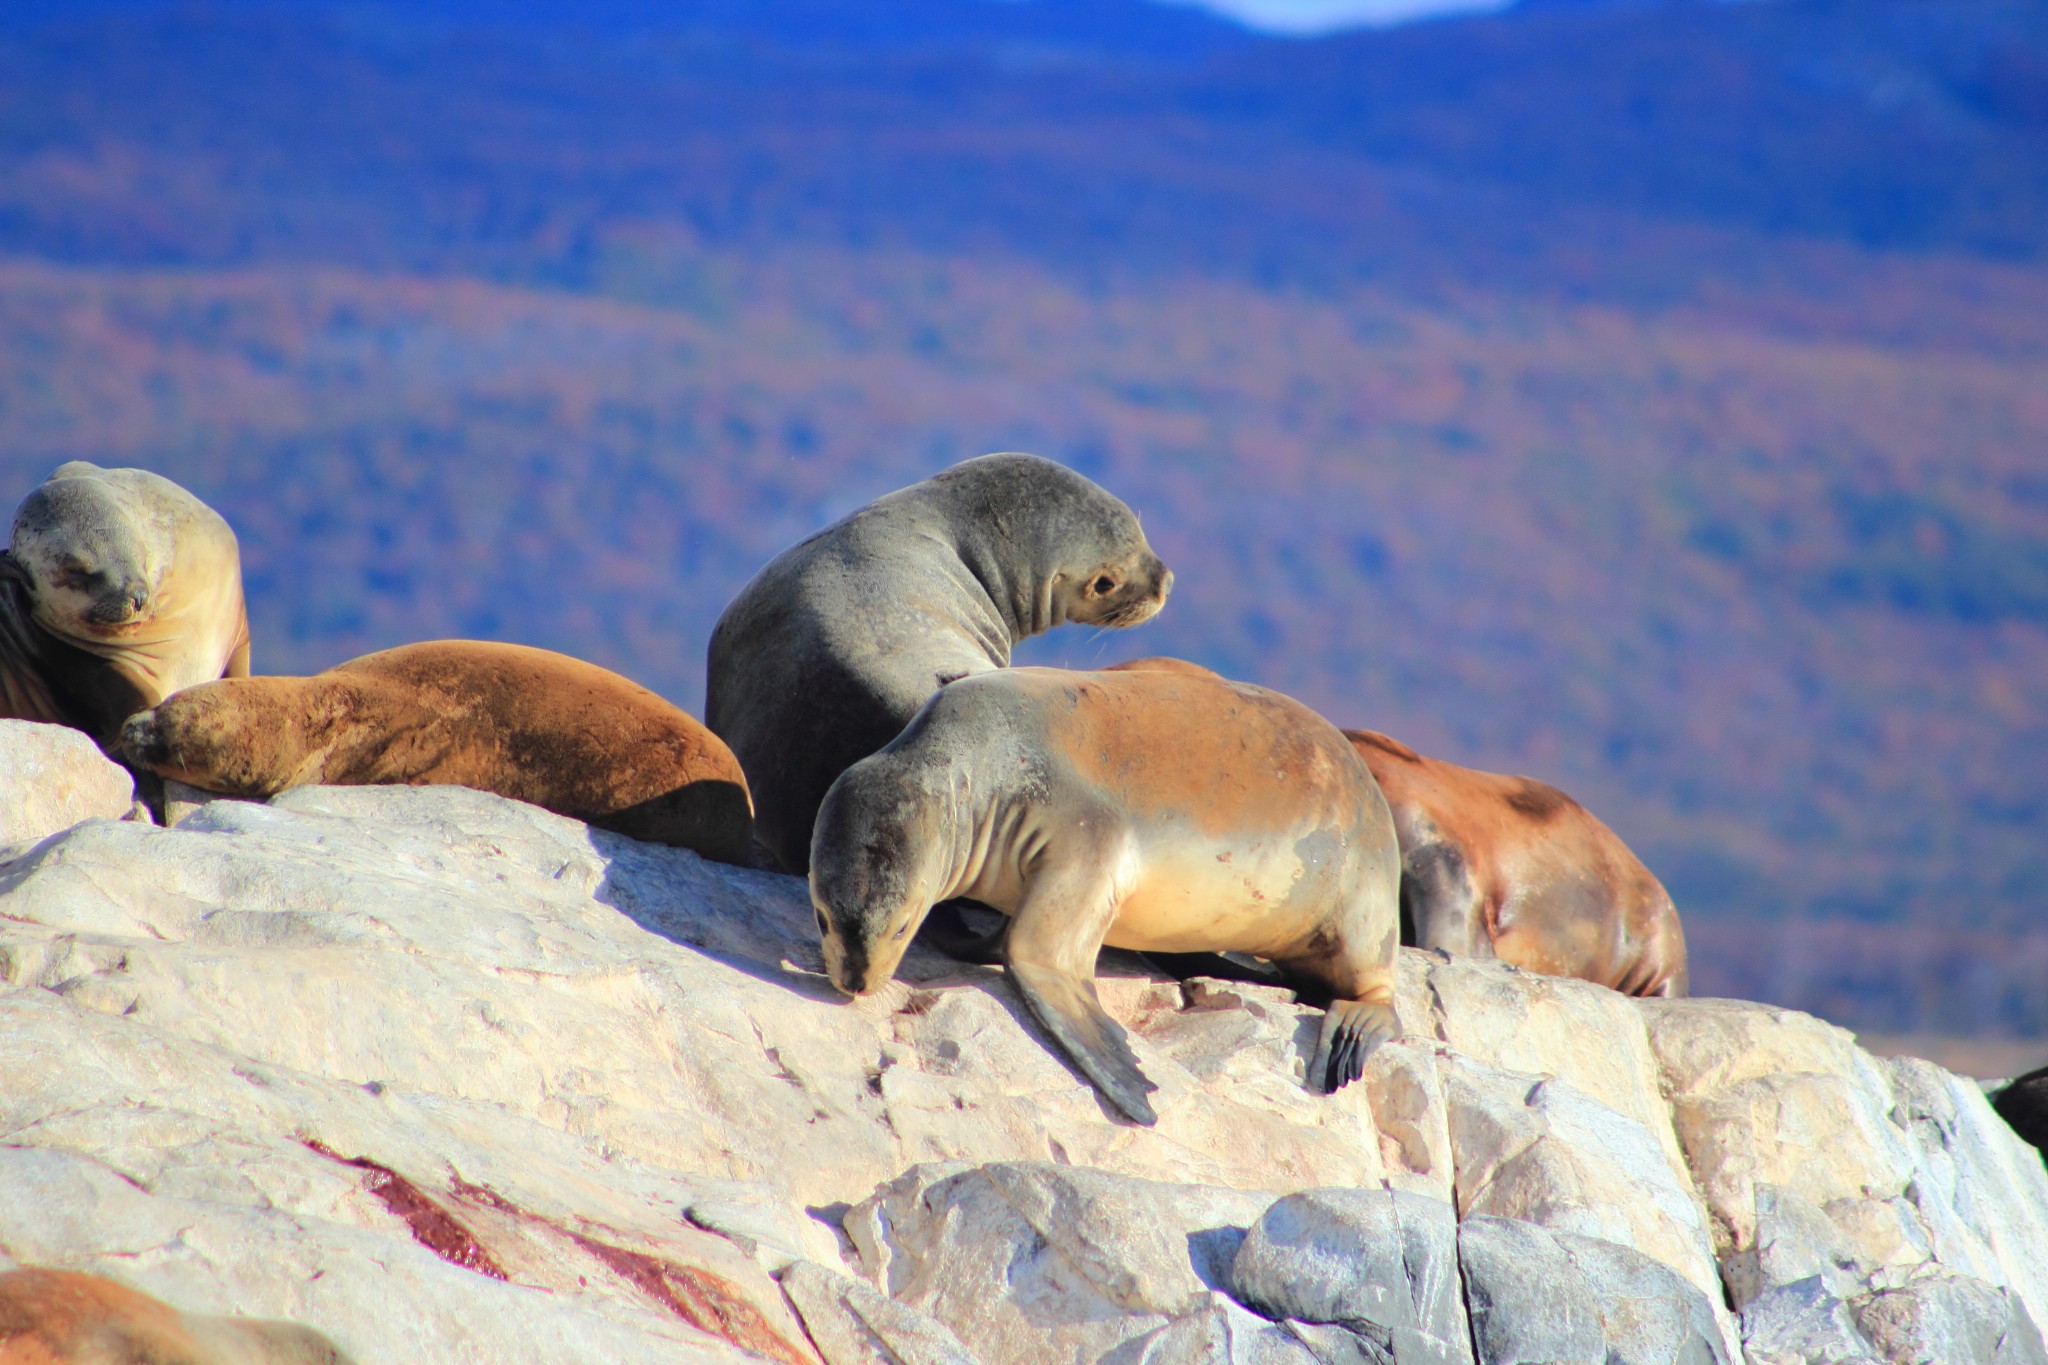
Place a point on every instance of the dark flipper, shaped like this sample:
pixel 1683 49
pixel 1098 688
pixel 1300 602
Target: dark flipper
pixel 1184 966
pixel 1095 1043
pixel 1351 1030
pixel 947 930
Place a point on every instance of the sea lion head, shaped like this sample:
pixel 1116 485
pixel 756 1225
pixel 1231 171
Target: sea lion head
pixel 877 864
pixel 92 564
pixel 250 737
pixel 1058 546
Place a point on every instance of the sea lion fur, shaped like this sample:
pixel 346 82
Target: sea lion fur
pixel 1509 867
pixel 118 588
pixel 832 648
pixel 67 1317
pixel 526 723
pixel 1165 810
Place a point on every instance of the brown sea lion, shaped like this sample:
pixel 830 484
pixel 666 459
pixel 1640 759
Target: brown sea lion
pixel 1509 867
pixel 829 651
pixel 117 589
pixel 525 723
pixel 1153 809
pixel 66 1317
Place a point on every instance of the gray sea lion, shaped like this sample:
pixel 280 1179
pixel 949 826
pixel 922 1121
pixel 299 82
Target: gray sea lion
pixel 827 654
pixel 1155 809
pixel 525 723
pixel 66 1317
pixel 1508 867
pixel 118 588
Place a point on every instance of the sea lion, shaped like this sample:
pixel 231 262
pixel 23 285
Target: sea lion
pixel 1508 867
pixel 525 723
pixel 829 651
pixel 118 588
pixel 2023 1104
pixel 1152 809
pixel 66 1317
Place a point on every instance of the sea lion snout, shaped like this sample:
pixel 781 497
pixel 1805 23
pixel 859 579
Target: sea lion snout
pixel 1118 598
pixel 120 604
pixel 142 740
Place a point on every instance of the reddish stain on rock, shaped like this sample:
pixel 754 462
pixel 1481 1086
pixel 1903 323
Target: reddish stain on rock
pixel 433 1227
pixel 706 1301
pixel 491 1199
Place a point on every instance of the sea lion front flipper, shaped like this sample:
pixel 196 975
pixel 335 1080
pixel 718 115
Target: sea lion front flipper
pixel 1054 938
pixel 1096 1044
pixel 1351 1030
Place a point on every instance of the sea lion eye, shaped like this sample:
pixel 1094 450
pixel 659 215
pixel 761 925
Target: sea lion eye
pixel 824 925
pixel 1104 586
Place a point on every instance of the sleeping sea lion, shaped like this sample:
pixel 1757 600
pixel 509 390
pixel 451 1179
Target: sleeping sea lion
pixel 66 1317
pixel 1154 809
pixel 829 651
pixel 118 588
pixel 1509 867
pixel 525 723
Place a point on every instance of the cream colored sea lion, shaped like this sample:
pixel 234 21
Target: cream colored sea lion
pixel 1154 809
pixel 524 723
pixel 1509 867
pixel 65 1317
pixel 829 651
pixel 117 589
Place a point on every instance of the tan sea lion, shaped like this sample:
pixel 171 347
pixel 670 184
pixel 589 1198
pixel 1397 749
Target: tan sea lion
pixel 1154 809
pixel 117 589
pixel 525 723
pixel 1509 867
pixel 829 651
pixel 66 1317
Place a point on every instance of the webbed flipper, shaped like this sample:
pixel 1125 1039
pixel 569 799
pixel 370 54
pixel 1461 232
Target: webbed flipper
pixel 1096 1044
pixel 1351 1030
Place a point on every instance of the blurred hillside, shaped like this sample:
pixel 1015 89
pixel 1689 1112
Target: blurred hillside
pixel 1654 399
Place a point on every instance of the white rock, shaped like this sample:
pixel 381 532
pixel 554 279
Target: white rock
pixel 352 1057
pixel 1817 1160
pixel 51 778
pixel 1040 1262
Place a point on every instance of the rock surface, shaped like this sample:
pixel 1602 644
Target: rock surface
pixel 52 777
pixel 453 1079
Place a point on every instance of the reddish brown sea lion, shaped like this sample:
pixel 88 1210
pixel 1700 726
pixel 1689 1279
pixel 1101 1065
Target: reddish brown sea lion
pixel 830 650
pixel 65 1317
pixel 117 589
pixel 1161 809
pixel 1509 867
pixel 524 723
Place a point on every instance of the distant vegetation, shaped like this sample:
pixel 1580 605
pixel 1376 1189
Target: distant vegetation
pixel 1654 399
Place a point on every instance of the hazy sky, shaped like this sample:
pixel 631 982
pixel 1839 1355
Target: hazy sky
pixel 1309 16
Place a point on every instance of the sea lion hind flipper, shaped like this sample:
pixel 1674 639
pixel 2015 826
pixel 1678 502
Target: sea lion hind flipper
pixel 1351 1030
pixel 1068 1009
pixel 1217 966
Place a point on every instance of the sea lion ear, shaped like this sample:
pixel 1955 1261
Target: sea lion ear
pixel 11 570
